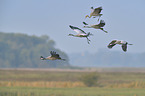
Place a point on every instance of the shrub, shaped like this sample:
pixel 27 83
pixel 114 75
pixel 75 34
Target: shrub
pixel 90 79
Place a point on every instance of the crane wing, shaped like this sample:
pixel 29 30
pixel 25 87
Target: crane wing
pixel 101 24
pixel 124 47
pixel 112 43
pixel 78 30
pixel 97 10
pixel 53 54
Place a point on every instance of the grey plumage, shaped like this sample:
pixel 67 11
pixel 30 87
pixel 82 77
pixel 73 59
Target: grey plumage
pixel 96 26
pixel 54 56
pixel 120 42
pixel 80 33
pixel 95 12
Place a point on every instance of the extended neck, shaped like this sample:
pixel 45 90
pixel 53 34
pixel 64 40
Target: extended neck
pixel 87 27
pixel 73 35
pixel 88 16
pixel 70 35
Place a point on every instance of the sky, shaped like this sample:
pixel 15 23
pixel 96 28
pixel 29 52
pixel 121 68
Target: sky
pixel 124 21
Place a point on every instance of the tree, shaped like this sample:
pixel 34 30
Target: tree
pixel 20 50
pixel 90 79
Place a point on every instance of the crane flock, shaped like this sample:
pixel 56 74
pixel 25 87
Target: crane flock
pixel 82 34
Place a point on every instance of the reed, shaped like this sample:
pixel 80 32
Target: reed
pixel 51 84
pixel 135 84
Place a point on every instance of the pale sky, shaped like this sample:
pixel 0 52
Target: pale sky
pixel 124 21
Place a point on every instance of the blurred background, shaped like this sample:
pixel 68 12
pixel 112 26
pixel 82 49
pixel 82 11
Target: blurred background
pixel 32 28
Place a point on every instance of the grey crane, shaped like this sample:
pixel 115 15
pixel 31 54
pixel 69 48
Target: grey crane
pixel 80 32
pixel 95 12
pixel 120 42
pixel 96 26
pixel 53 56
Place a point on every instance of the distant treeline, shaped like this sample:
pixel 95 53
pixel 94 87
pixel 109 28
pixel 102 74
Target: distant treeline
pixel 107 58
pixel 23 51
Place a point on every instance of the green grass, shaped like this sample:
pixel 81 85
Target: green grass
pixel 93 91
pixel 106 80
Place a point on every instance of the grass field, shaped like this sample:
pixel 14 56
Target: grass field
pixel 86 91
pixel 67 83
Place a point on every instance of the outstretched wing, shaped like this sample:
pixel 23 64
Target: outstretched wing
pixel 53 54
pixel 112 43
pixel 97 10
pixel 102 23
pixel 78 30
pixel 124 47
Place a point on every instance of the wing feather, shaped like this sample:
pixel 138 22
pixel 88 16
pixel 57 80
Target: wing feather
pixel 112 43
pixel 101 24
pixel 54 54
pixel 78 30
pixel 124 47
pixel 98 10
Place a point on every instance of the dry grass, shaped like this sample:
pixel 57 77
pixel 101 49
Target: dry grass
pixel 52 84
pixel 69 78
pixel 64 83
pixel 128 85
pixel 67 84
